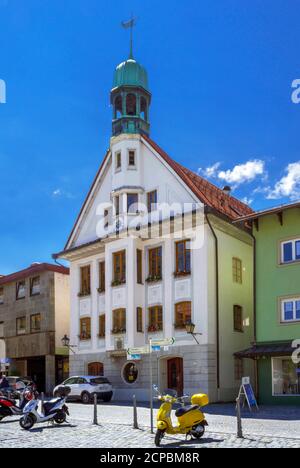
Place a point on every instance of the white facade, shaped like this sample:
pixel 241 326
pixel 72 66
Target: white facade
pixel 91 243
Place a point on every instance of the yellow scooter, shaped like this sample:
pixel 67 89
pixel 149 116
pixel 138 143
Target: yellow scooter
pixel 191 420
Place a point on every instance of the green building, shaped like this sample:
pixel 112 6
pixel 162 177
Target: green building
pixel 277 304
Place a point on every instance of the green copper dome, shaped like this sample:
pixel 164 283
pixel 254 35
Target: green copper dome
pixel 131 73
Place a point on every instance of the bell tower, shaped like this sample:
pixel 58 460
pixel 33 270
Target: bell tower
pixel 130 95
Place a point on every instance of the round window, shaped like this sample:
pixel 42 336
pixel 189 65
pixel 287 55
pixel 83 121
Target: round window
pixel 130 373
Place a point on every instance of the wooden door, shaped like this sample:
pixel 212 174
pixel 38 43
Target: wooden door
pixel 95 369
pixel 175 375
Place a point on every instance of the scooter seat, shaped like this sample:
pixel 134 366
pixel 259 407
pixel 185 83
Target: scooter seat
pixel 186 409
pixel 50 404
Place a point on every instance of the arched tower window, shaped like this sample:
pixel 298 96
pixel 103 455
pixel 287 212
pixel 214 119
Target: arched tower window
pixel 144 109
pixel 131 104
pixel 118 107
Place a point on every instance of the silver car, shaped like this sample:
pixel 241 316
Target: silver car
pixel 85 387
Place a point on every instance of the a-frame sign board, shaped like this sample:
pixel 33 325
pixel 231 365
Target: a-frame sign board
pixel 246 392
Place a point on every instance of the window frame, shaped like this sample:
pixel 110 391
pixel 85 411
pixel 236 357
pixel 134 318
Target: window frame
pixel 240 321
pixel 88 333
pixel 119 278
pixel 139 320
pixel 280 395
pixel 186 253
pixel 102 326
pixel 285 242
pixel 284 301
pixel 18 284
pixel 102 279
pixel 34 316
pixel 187 314
pixel 136 203
pixel 238 369
pixel 150 204
pixel 18 319
pixel 119 321
pixel 32 286
pixel 85 292
pixel 129 154
pixel 155 263
pixel 236 262
pixel 156 325
pixel 118 161
pixel 139 266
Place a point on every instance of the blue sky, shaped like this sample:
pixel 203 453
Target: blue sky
pixel 220 72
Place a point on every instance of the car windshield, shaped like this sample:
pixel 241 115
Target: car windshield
pixel 100 380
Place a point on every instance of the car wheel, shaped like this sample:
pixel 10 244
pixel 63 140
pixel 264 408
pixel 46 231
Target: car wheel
pixel 85 398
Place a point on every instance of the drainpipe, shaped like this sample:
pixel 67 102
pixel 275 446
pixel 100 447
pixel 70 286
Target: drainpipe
pixel 217 302
pixel 255 309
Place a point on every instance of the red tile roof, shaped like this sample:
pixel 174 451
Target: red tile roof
pixel 208 193
pixel 33 270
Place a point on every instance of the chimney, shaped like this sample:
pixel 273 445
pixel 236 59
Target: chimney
pixel 227 190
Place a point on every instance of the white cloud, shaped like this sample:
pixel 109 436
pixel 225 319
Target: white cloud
pixel 243 172
pixel 288 186
pixel 59 193
pixel 210 171
pixel 247 201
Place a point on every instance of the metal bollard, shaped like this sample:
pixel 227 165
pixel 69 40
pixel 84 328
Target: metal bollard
pixel 135 416
pixel 42 401
pixel 239 419
pixel 95 410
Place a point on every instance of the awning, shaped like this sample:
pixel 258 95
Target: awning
pixel 266 349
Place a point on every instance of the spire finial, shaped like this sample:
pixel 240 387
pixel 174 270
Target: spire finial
pixel 130 25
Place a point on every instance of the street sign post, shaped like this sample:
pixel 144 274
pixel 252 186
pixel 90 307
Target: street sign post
pixel 135 354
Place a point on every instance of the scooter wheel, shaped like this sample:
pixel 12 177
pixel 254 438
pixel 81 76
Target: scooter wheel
pixel 159 437
pixel 60 418
pixel 27 422
pixel 197 435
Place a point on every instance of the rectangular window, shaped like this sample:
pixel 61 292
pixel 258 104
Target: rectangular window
pixel 131 158
pixel 152 201
pixel 238 318
pixel 139 266
pixel 117 205
pixel 35 323
pixel 139 320
pixel 183 314
pixel 183 258
pixel 155 264
pixel 85 329
pixel 238 369
pixel 102 326
pixel 1 330
pixel 106 219
pixel 290 251
pixel 20 290
pixel 85 278
pixel 1 296
pixel 21 326
pixel 132 203
pixel 119 261
pixel 155 319
pixel 118 160
pixel 286 377
pixel 35 287
pixel 119 321
pixel 237 270
pixel 290 310
pixel 101 277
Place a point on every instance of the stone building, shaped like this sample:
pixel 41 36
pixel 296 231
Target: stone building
pixel 34 316
pixel 137 274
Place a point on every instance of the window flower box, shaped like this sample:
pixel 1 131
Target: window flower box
pixel 84 294
pixel 118 283
pixel 155 328
pixel 154 279
pixel 181 274
pixel 84 337
pixel 118 331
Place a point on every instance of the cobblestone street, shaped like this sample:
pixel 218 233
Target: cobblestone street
pixel 115 430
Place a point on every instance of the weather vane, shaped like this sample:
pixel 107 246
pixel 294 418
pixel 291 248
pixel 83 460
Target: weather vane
pixel 130 25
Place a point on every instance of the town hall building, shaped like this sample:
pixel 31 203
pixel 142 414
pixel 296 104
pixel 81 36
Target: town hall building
pixel 154 249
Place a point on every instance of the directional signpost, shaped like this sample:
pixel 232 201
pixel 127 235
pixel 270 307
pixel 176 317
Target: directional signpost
pixel 135 354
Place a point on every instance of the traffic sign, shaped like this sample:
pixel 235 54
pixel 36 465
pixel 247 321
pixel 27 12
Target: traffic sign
pixel 162 343
pixel 139 351
pixel 134 357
